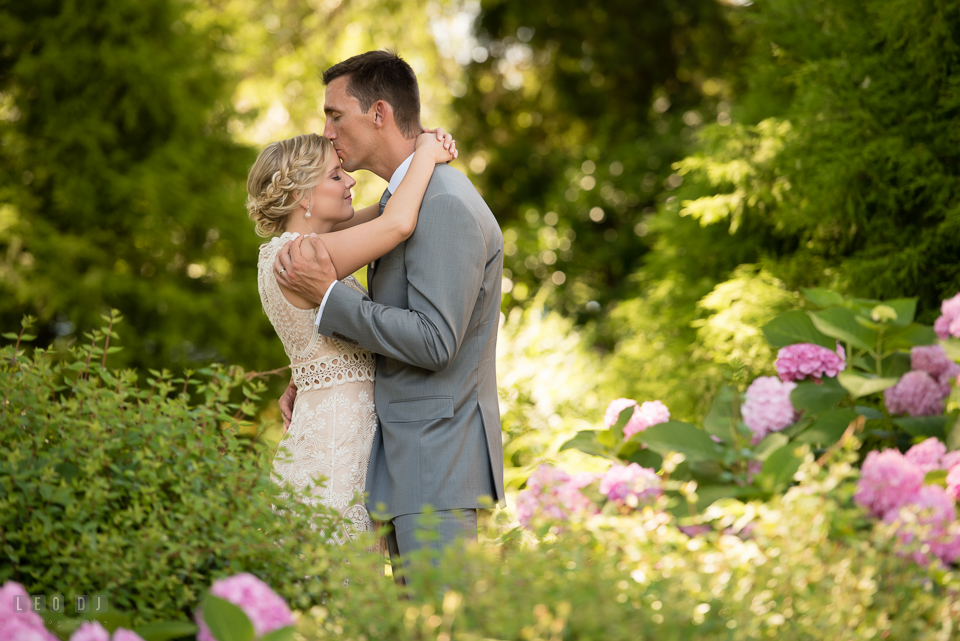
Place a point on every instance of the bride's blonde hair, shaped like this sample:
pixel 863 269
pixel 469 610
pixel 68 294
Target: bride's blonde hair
pixel 283 171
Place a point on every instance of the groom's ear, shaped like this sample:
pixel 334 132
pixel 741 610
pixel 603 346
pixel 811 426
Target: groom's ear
pixel 382 113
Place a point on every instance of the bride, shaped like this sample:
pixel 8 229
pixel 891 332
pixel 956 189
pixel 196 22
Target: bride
pixel 297 187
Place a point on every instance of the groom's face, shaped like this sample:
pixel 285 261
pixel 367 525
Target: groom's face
pixel 347 126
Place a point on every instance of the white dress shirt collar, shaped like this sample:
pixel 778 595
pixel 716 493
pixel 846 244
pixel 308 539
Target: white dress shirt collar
pixel 399 174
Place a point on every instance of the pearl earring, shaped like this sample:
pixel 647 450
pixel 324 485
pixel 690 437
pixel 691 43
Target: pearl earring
pixel 307 215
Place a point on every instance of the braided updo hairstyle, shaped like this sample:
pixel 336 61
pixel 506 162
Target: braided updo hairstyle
pixel 283 171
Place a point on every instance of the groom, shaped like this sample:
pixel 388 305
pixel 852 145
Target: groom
pixel 431 316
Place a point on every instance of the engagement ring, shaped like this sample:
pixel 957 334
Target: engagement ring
pixel 281 271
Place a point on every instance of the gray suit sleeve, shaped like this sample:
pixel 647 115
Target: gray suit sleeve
pixel 445 261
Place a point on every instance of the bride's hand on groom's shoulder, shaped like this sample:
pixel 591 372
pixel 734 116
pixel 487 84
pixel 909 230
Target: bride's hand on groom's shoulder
pixel 440 144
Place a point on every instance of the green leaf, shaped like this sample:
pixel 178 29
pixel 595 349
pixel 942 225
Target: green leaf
pixel 909 336
pixel 895 364
pixel 280 634
pixel 226 621
pixel 828 428
pixel 816 398
pixel 841 323
pixel 770 444
pixel 779 468
pixel 936 477
pixel 869 413
pixel 906 309
pixel 166 630
pixel 622 419
pixel 10 336
pixel 63 496
pixel 587 443
pixel 859 385
pixel 924 425
pixel 720 420
pixel 822 297
pixel 676 436
pixel 952 347
pixel 645 457
pixel 795 327
pixel 707 495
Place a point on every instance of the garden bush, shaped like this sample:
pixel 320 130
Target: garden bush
pixel 144 495
pixel 805 565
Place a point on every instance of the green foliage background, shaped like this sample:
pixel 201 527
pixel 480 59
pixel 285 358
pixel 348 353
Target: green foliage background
pixel 667 174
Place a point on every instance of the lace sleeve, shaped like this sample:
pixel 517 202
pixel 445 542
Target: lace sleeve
pixel 296 327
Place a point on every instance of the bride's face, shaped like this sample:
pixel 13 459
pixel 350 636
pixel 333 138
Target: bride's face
pixel 332 198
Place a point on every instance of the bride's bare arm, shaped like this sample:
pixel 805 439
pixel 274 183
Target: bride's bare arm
pixel 350 249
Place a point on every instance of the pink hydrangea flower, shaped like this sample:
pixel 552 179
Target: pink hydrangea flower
pixel 122 634
pixel 554 495
pixel 948 324
pixel 917 394
pixel 887 481
pixel 953 481
pixel 90 631
pixel 20 625
pixel 934 521
pixel 767 407
pixel 649 414
pixel 803 360
pixel 935 362
pixel 266 610
pixel 644 416
pixel 927 455
pixel 630 485
pixel 617 405
pixel 950 460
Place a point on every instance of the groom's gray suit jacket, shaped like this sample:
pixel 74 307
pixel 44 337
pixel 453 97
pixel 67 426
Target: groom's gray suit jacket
pixel 432 322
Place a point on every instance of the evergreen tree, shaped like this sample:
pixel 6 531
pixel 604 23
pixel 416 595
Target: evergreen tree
pixel 119 184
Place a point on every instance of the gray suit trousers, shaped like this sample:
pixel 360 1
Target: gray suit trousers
pixel 439 531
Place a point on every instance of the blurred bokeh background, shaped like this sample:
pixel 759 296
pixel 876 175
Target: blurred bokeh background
pixel 667 173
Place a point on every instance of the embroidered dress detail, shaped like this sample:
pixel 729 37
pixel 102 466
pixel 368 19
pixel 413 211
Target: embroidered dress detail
pixel 334 419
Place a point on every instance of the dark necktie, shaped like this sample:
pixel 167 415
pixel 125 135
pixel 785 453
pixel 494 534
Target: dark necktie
pixel 383 200
pixel 373 266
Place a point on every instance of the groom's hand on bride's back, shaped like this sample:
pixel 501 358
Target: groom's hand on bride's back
pixel 286 405
pixel 304 266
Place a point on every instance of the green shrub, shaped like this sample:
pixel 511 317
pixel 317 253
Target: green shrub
pixel 143 495
pixel 801 566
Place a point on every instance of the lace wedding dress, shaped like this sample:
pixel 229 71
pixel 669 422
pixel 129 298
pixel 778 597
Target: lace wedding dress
pixel 334 420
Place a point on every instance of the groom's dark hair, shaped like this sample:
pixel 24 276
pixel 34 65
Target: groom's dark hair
pixel 382 75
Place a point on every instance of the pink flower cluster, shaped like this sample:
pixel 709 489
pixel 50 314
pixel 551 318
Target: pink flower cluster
pixel 93 631
pixel 802 360
pixel 644 416
pixel 26 625
pixel 948 324
pixel 766 406
pixel 554 495
pixel 266 610
pixel 20 625
pixel 630 485
pixel 891 487
pixel 922 390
